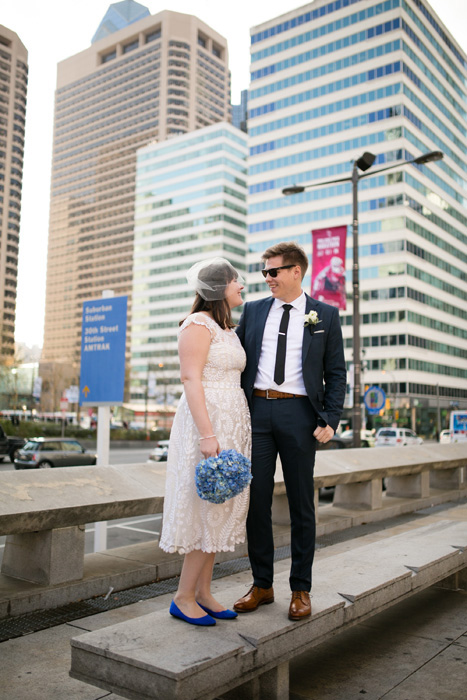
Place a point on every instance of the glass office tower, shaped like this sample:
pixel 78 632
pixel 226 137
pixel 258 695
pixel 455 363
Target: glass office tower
pixel 240 112
pixel 330 81
pixel 190 206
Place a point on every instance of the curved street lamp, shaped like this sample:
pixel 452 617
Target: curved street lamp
pixel 363 164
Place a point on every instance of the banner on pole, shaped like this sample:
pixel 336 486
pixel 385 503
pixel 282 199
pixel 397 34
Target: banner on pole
pixel 328 266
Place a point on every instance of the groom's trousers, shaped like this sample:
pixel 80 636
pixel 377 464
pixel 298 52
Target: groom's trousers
pixel 284 427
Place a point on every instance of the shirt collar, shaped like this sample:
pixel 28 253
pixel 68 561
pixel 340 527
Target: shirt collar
pixel 299 303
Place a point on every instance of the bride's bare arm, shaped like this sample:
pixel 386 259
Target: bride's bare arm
pixel 193 349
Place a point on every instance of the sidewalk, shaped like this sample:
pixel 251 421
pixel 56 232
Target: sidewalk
pixel 414 651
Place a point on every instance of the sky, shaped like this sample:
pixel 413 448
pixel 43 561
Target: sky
pixel 53 30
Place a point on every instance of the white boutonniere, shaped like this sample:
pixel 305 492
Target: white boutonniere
pixel 311 319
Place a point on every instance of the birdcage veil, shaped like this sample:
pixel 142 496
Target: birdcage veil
pixel 211 277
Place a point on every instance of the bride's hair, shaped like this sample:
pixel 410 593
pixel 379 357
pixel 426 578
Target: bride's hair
pixel 218 308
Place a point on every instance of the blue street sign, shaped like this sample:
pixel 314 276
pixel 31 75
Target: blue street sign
pixel 103 338
pixel 374 399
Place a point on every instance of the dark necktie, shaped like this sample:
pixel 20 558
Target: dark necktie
pixel 279 370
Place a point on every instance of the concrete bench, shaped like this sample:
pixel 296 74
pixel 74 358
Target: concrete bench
pixel 408 473
pixel 43 514
pixel 157 657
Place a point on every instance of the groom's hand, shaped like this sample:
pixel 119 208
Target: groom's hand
pixel 323 434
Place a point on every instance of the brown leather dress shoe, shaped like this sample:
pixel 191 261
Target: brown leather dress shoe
pixel 254 598
pixel 300 606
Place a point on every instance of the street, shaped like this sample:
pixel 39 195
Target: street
pixel 129 530
pixel 119 532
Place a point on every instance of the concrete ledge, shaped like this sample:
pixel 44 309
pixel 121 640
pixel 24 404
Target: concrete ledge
pixel 46 499
pixel 362 494
pixel 48 557
pixel 139 564
pixel 131 660
pixel 121 568
pixel 350 466
pixel 37 507
pixel 409 486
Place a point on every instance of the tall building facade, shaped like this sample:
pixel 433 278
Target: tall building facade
pixel 190 206
pixel 330 81
pixel 13 94
pixel 240 112
pixel 152 79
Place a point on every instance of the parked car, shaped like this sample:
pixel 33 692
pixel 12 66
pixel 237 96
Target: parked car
pixel 337 442
pixel 445 436
pixel 159 453
pixel 9 445
pixel 3 444
pixel 396 437
pixel 367 438
pixel 43 453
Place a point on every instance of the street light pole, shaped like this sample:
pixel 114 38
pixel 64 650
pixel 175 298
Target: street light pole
pixel 363 163
pixel 394 389
pixel 150 368
pixel 357 362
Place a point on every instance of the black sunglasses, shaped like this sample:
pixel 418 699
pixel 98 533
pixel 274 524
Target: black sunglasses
pixel 272 271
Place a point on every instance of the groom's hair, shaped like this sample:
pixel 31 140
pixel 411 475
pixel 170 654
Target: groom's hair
pixel 292 254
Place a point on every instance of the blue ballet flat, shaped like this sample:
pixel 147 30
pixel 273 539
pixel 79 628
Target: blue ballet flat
pixel 205 621
pixel 222 615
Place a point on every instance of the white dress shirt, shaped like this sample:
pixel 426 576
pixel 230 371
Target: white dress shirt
pixel 293 383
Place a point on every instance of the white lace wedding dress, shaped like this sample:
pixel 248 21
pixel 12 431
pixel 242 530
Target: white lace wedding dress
pixel 189 522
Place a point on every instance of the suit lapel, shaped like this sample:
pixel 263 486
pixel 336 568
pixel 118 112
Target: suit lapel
pixel 307 335
pixel 262 314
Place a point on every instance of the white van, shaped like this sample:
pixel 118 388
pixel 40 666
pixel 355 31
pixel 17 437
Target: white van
pixel 396 437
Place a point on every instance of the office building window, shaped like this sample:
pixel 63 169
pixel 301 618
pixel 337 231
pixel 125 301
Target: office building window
pixel 131 46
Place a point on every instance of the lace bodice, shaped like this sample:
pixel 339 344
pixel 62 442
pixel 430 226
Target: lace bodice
pixel 226 358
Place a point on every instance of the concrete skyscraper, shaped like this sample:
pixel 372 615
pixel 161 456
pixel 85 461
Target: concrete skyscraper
pixel 149 79
pixel 13 93
pixel 331 80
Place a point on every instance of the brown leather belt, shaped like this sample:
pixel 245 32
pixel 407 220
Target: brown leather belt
pixel 274 394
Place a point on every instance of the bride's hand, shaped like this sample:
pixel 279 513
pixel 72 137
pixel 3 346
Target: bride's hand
pixel 209 447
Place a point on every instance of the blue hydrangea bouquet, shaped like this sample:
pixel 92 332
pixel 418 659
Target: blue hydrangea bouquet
pixel 225 476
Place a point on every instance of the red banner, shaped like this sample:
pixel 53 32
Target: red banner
pixel 328 266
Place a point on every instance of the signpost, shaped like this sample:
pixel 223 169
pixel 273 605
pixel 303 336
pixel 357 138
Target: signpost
pixel 102 379
pixel 374 399
pixel 103 351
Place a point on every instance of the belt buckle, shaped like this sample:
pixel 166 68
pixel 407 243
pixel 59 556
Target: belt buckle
pixel 271 398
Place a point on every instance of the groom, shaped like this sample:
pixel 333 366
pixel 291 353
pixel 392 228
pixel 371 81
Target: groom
pixel 294 380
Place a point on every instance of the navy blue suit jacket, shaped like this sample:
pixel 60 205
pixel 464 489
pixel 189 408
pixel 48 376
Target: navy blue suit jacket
pixel 323 363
